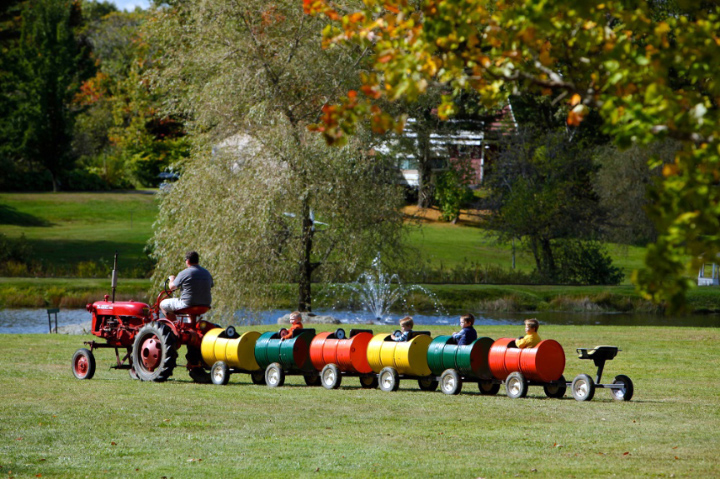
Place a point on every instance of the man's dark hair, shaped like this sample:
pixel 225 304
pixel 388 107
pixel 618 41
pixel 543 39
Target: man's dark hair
pixel 192 257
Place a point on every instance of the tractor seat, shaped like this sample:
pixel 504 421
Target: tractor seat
pixel 598 353
pixel 193 310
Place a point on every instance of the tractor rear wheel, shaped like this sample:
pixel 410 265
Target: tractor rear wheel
pixel 154 354
pixel 83 364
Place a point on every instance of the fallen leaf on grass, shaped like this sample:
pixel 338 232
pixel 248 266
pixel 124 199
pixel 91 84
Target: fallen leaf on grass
pixel 194 460
pixel 113 443
pixel 676 458
pixel 626 453
pixel 557 445
pixel 676 447
pixel 19 439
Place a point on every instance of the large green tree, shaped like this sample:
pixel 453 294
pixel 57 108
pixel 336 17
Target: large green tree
pixel 540 190
pixel 262 200
pixel 648 67
pixel 52 62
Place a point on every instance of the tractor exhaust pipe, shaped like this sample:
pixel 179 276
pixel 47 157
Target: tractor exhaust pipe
pixel 114 277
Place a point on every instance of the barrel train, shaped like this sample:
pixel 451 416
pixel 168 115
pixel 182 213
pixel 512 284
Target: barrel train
pixel 375 359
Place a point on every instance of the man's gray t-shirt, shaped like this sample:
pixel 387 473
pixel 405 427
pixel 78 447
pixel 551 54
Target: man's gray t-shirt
pixel 195 282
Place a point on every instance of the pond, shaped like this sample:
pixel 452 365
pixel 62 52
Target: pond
pixel 16 321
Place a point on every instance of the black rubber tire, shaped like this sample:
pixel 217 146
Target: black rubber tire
pixel 196 366
pixel 274 375
pixel 428 384
pixel 556 390
pixel 231 332
pixel 488 388
pixel 516 386
pixel 258 378
pixel 220 373
pixel 133 374
pixel 312 379
pixel 627 392
pixel 340 333
pixel 389 380
pixel 583 388
pixel 369 382
pixel 168 354
pixel 450 382
pixel 330 376
pixel 83 364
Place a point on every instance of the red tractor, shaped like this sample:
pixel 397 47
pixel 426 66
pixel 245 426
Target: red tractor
pixel 151 341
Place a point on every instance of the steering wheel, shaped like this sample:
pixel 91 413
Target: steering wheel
pixel 397 334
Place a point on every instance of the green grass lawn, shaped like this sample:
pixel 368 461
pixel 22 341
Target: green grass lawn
pixel 456 245
pixel 68 228
pixel 56 426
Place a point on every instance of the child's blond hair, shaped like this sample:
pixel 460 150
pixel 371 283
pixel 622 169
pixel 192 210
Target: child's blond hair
pixel 532 322
pixel 295 315
pixel 407 321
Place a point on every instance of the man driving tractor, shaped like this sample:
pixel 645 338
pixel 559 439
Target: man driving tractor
pixel 195 282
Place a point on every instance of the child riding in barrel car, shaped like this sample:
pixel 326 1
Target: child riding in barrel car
pixel 531 338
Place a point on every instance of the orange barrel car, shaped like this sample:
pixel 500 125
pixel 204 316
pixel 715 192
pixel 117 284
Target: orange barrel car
pixel 335 356
pixel 542 365
pixel 454 364
pixel 394 361
pixel 281 357
pixel 228 352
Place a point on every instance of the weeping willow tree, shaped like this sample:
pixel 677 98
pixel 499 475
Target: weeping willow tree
pixel 263 200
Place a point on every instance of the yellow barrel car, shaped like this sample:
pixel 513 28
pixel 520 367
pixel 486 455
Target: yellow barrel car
pixel 229 352
pixel 393 360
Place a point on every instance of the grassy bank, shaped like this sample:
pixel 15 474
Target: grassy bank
pixel 77 292
pixel 67 229
pixel 111 426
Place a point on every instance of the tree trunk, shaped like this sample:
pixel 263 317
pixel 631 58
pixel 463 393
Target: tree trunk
pixel 548 259
pixel 306 266
pixel 424 169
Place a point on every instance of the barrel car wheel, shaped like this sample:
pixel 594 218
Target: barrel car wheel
pixel 450 382
pixel 516 386
pixel 369 382
pixel 154 355
pixel 220 373
pixel 556 390
pixel 331 377
pixel 258 377
pixel 583 387
pixel 274 375
pixel 428 384
pixel 488 388
pixel 312 379
pixel 626 393
pixel 196 368
pixel 389 380
pixel 83 364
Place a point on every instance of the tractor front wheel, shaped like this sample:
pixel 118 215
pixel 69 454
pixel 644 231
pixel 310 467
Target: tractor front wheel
pixel 83 364
pixel 154 354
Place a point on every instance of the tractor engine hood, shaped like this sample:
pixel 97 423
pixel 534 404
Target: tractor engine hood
pixel 119 308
